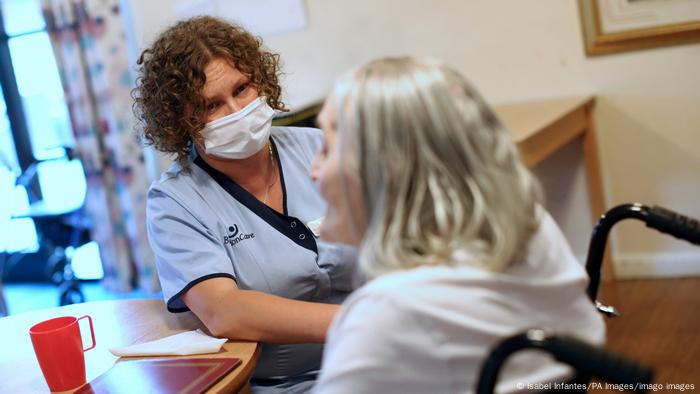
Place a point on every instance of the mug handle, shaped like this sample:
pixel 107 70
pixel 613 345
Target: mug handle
pixel 92 332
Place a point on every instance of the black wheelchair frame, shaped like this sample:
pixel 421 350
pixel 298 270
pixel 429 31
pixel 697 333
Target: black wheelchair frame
pixel 658 218
pixel 589 361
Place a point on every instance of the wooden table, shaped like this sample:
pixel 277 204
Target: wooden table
pixel 116 323
pixel 541 127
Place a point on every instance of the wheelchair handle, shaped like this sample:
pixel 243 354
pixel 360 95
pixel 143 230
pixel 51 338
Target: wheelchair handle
pixel 596 362
pixel 655 217
pixel 587 360
pixel 675 224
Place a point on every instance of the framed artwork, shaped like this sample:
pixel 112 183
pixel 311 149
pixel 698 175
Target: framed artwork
pixel 611 26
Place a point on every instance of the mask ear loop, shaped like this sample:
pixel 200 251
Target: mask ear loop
pixel 197 142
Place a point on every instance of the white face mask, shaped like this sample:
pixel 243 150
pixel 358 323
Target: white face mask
pixel 240 134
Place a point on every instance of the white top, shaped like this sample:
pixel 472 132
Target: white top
pixel 428 330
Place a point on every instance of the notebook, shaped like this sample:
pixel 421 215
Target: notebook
pixel 171 375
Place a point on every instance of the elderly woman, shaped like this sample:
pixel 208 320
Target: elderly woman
pixel 232 221
pixel 456 251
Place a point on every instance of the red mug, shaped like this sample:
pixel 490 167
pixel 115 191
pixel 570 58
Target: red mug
pixel 59 349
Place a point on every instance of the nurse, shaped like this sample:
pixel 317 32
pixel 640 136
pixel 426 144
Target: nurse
pixel 232 222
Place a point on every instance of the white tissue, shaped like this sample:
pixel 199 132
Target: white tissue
pixel 186 343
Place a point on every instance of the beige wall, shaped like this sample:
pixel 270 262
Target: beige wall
pixel 647 113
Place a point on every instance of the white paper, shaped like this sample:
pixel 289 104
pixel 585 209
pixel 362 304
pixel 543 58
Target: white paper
pixel 186 343
pixel 315 226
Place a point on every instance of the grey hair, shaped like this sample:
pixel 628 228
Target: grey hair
pixel 438 171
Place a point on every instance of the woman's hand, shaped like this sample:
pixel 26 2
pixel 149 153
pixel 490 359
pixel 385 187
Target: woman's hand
pixel 251 315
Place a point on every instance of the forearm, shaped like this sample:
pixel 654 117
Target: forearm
pixel 256 316
pixel 253 315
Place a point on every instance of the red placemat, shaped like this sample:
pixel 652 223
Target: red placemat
pixel 174 375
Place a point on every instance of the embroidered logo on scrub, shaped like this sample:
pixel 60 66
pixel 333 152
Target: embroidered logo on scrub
pixel 234 237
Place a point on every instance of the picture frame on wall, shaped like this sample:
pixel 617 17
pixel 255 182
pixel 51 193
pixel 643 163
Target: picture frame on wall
pixel 611 26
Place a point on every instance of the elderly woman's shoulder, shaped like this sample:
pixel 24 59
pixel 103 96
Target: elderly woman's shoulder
pixel 403 284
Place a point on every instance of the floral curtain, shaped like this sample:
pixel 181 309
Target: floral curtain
pixel 88 38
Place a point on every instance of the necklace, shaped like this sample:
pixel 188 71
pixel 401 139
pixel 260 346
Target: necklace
pixel 274 175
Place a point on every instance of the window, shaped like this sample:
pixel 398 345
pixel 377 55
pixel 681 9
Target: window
pixel 34 121
pixel 38 84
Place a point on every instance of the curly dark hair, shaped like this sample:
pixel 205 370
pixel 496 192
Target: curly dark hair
pixel 168 94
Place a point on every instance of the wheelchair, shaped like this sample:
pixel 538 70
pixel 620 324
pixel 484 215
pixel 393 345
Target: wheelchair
pixel 62 226
pixel 586 360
